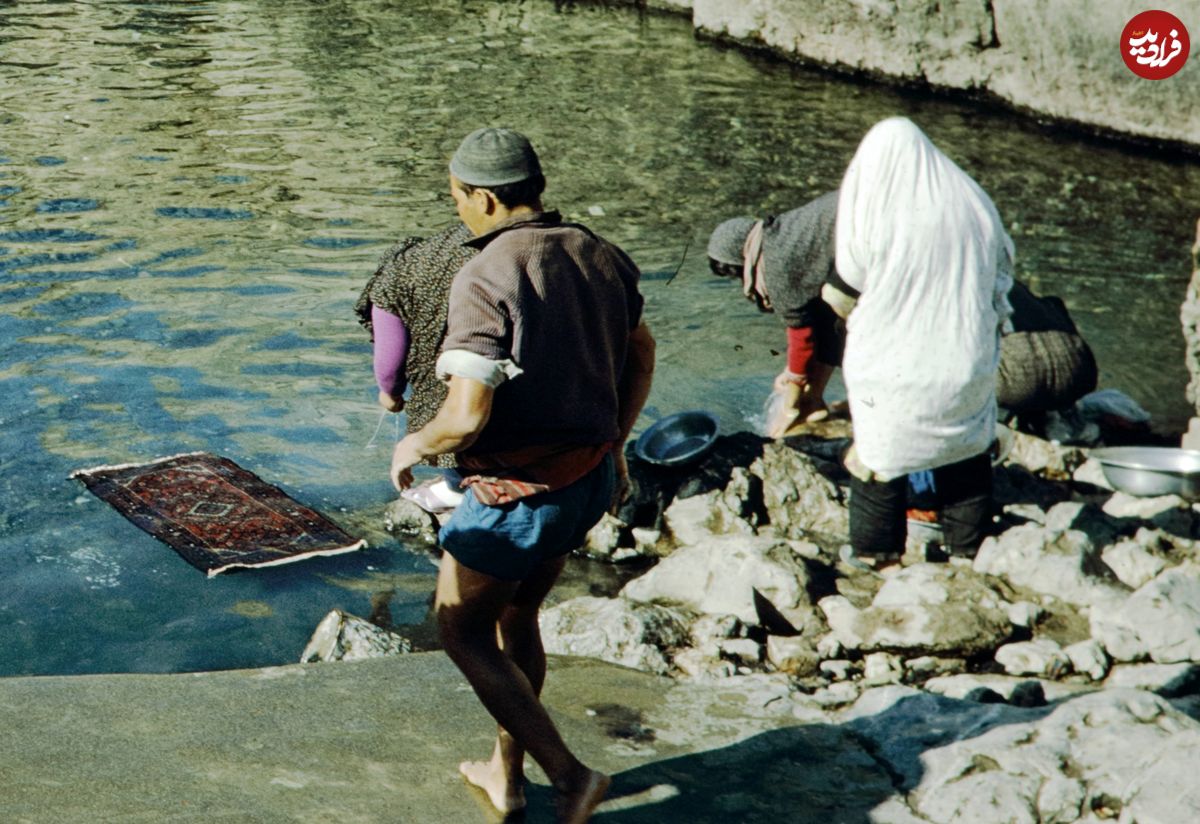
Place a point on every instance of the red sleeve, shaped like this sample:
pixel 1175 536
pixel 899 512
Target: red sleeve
pixel 799 349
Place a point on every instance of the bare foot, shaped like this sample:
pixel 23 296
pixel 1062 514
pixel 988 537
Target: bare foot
pixel 576 806
pixel 489 776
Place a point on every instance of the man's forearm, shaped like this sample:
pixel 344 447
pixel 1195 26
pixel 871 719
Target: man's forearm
pixel 457 424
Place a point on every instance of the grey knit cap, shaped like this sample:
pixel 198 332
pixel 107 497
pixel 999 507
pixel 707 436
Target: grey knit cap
pixel 726 242
pixel 494 157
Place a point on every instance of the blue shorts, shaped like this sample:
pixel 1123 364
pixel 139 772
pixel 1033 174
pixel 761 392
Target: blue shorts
pixel 509 541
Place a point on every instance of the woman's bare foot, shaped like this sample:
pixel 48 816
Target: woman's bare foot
pixel 506 795
pixel 575 806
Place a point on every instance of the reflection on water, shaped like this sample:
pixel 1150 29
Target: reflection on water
pixel 192 193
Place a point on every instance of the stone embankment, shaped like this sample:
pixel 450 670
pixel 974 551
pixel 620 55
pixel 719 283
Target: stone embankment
pixel 989 689
pixel 1058 60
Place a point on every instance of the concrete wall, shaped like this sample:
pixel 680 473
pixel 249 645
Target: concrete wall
pixel 1054 57
pixel 1190 317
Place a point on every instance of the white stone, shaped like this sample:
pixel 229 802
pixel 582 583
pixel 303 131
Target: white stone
pixel 1130 746
pixel 604 539
pixel 741 650
pixel 1088 658
pixel 1091 472
pixel 828 646
pixel 839 693
pixel 881 668
pixel 926 666
pixel 645 541
pixel 724 574
pixel 1165 679
pixel 1132 563
pixel 1124 505
pixel 613 629
pixel 792 654
pixel 1160 621
pixel 699 518
pixel 926 608
pixel 799 500
pixel 1041 657
pixel 960 685
pixel 1024 613
pixel 695 664
pixel 1047 560
pixel 344 637
pixel 838 670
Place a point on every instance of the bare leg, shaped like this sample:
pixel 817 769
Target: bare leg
pixel 470 606
pixel 503 777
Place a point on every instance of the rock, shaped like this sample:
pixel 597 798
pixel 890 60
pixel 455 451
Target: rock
pixel 1063 564
pixel 406 518
pixel 931 666
pixel 1091 473
pixel 1043 457
pixel 1124 505
pixel 1168 680
pixel 1167 512
pixel 1132 563
pixel 615 630
pixel 799 500
pixel 837 670
pixel 794 655
pixel 606 538
pixel 1160 621
pixel 1025 614
pixel 1006 686
pixel 709 628
pixel 829 647
pixel 646 541
pixel 1123 748
pixel 699 518
pixel 742 576
pixel 1041 657
pixel 344 637
pixel 902 726
pixel 744 651
pixel 695 664
pixel 927 608
pixel 1088 658
pixel 837 694
pixel 880 668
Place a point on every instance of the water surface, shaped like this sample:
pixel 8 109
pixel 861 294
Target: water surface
pixel 191 195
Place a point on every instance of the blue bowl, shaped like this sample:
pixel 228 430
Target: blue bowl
pixel 678 439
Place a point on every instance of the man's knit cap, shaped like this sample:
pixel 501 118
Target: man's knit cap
pixel 494 157
pixel 726 242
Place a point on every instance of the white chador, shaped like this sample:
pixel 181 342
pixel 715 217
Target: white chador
pixel 925 247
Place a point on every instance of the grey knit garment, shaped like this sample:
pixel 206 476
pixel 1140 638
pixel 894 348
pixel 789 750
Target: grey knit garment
pixel 726 242
pixel 494 157
pixel 798 253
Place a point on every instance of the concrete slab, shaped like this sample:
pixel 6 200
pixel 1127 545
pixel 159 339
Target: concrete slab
pixel 379 741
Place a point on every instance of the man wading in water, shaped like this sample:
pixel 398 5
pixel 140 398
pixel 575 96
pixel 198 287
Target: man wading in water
pixel 548 363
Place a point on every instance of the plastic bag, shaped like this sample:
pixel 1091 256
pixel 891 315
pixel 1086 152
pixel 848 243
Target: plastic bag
pixel 1112 402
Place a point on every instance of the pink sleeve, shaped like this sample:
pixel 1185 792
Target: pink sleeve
pixel 391 348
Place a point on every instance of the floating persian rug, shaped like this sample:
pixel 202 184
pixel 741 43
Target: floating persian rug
pixel 215 514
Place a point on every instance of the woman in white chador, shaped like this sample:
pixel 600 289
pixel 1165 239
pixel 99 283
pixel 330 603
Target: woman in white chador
pixel 924 262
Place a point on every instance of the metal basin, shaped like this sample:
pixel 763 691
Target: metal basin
pixel 678 439
pixel 1148 471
